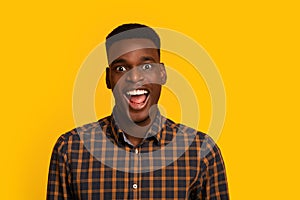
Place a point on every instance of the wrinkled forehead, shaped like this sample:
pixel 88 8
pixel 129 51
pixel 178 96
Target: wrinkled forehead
pixel 124 46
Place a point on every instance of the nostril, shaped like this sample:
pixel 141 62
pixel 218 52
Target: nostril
pixel 134 76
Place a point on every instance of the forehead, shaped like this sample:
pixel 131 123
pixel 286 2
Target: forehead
pixel 125 46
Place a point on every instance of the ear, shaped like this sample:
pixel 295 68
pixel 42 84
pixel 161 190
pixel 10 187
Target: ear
pixel 163 73
pixel 107 79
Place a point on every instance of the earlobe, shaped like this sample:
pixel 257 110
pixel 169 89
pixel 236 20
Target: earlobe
pixel 108 85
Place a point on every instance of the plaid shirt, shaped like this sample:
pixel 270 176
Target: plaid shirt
pixel 173 162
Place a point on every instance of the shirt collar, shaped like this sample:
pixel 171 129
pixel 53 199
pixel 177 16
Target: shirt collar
pixel 154 131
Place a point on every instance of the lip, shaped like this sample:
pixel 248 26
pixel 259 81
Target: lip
pixel 136 106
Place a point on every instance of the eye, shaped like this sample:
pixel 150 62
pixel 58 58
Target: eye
pixel 120 69
pixel 147 66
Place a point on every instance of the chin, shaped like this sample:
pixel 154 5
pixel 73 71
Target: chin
pixel 140 118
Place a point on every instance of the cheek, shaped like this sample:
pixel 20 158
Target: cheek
pixel 156 92
pixel 115 79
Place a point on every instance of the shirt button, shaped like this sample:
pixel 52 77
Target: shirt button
pixel 134 186
pixel 136 151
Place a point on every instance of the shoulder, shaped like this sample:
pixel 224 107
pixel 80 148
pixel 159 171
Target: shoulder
pixel 203 141
pixel 72 138
pixel 186 130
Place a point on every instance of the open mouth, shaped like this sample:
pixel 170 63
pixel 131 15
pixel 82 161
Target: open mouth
pixel 137 98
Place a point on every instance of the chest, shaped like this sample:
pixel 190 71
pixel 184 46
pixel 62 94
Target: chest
pixel 133 176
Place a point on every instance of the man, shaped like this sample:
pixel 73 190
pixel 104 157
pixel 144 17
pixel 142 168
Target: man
pixel 136 153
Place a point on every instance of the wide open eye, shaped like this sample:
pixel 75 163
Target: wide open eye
pixel 121 68
pixel 147 66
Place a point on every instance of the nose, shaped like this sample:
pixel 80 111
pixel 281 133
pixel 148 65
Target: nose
pixel 135 75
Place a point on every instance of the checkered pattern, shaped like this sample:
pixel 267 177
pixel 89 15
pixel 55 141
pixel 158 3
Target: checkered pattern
pixel 95 162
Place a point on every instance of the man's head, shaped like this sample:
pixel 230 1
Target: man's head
pixel 130 31
pixel 135 73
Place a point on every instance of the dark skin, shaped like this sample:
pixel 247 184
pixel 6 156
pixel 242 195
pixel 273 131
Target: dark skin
pixel 127 57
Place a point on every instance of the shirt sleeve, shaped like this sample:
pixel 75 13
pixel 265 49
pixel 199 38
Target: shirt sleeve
pixel 212 180
pixel 58 185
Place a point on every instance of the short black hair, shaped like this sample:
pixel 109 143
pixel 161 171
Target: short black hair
pixel 130 31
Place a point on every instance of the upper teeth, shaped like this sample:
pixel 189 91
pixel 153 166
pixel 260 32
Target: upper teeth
pixel 137 92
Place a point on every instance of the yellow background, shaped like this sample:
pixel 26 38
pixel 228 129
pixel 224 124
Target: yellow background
pixel 255 45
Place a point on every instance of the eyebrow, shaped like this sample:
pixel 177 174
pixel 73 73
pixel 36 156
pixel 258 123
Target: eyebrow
pixel 147 58
pixel 118 60
pixel 142 59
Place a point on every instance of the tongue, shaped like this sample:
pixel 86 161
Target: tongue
pixel 138 98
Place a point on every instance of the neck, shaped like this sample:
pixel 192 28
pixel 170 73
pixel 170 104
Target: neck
pixel 135 131
pixel 133 140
